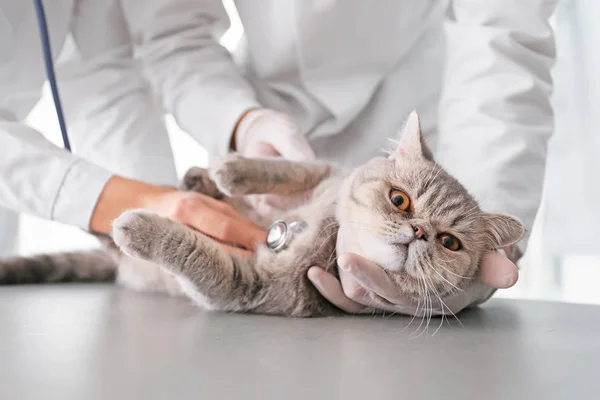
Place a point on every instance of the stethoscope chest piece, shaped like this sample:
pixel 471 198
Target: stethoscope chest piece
pixel 280 234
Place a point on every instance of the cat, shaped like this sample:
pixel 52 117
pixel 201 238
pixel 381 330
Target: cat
pixel 404 212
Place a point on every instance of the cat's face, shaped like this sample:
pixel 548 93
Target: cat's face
pixel 415 220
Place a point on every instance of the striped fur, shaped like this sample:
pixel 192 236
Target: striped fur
pixel 79 266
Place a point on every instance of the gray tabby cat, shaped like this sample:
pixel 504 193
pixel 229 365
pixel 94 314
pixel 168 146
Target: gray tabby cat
pixel 405 213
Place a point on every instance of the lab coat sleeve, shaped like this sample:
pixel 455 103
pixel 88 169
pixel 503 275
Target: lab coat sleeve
pixel 196 77
pixel 495 112
pixel 114 119
pixel 44 180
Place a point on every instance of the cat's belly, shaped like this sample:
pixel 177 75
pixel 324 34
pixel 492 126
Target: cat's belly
pixel 144 276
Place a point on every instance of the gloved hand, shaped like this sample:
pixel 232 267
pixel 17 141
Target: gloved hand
pixel 364 286
pixel 263 132
pixel 269 133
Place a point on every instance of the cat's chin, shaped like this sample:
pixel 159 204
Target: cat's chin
pixel 394 268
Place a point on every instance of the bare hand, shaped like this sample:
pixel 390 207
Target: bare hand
pixel 210 216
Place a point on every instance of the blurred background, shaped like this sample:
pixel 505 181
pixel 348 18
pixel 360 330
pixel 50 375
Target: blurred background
pixel 562 262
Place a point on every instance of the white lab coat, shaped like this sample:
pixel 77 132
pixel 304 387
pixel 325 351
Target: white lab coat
pixel 349 71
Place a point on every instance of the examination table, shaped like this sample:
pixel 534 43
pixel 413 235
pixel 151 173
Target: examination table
pixel 103 342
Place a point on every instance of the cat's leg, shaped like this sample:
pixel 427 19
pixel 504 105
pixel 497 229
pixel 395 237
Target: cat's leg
pixel 208 274
pixel 238 176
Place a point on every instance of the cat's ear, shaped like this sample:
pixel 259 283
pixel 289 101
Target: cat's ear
pixel 411 143
pixel 503 230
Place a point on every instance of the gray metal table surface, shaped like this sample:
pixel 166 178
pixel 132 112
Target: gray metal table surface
pixel 103 342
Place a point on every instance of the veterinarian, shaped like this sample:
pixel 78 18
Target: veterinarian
pixel 335 78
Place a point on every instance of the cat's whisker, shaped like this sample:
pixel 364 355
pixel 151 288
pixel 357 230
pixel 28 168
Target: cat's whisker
pixel 444 279
pixel 422 290
pixel 325 242
pixel 424 294
pixel 330 259
pixel 449 284
pixel 418 304
pixel 448 308
pixel 428 305
pixel 325 228
pixel 449 261
pixel 455 274
pixel 425 302
pixel 437 294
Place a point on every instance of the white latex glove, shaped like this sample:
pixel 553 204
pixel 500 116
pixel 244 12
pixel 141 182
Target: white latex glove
pixel 269 133
pixel 365 286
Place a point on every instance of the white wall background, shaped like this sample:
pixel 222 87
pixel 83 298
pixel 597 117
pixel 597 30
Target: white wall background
pixel 561 275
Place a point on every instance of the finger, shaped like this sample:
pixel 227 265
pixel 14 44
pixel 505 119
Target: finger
pixel 221 206
pixel 225 228
pixel 227 209
pixel 293 147
pixel 241 224
pixel 331 289
pixel 372 277
pixel 497 271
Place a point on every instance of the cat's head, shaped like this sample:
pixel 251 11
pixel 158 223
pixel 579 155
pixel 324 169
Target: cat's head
pixel 407 214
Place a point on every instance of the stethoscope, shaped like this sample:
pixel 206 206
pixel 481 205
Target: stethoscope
pixel 47 52
pixel 279 235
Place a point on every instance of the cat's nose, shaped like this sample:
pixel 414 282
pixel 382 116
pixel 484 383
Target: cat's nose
pixel 419 232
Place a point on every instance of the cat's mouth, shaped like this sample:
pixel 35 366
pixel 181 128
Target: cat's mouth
pixel 407 252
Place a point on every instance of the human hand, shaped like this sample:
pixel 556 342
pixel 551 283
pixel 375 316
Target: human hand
pixel 364 286
pixel 268 133
pixel 203 213
pixel 212 217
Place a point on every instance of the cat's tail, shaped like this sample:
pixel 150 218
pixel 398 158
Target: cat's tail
pixel 77 266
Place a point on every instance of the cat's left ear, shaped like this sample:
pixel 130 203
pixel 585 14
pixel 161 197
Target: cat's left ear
pixel 411 143
pixel 503 230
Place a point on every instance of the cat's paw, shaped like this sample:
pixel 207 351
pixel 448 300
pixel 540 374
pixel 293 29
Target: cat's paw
pixel 135 232
pixel 198 180
pixel 230 175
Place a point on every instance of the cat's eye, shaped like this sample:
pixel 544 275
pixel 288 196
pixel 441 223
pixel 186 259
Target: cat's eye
pixel 449 242
pixel 400 199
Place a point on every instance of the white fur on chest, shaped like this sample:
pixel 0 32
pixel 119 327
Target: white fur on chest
pixel 144 276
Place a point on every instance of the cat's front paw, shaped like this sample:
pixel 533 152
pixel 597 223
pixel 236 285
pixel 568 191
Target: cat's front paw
pixel 197 180
pixel 230 175
pixel 136 232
